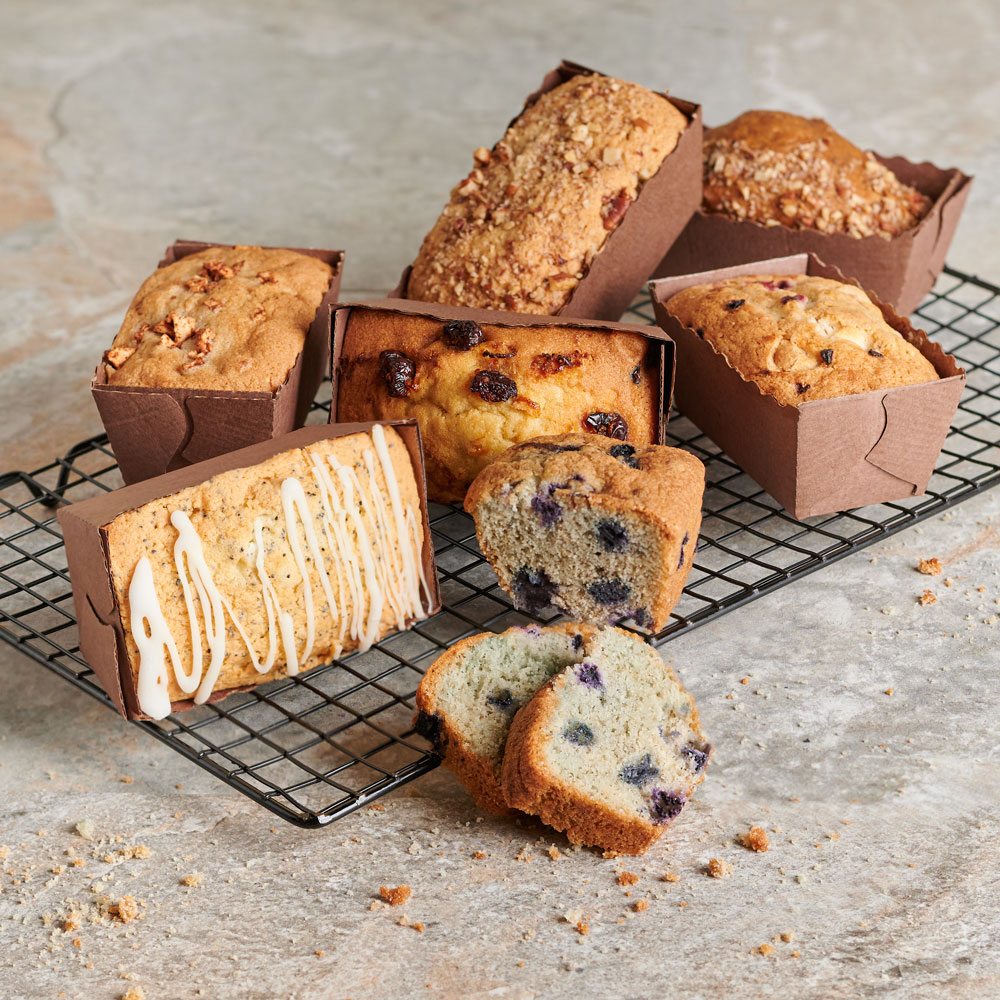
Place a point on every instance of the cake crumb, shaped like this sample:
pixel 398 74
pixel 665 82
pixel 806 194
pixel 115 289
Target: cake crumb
pixel 927 597
pixel 744 680
pixel 126 909
pixel 582 928
pixel 134 993
pixel 554 852
pixel 611 854
pixel 930 567
pixel 395 896
pixel 524 854
pixel 888 690
pixel 376 807
pixel 318 952
pixel 765 950
pixel 627 878
pixel 787 936
pixel 418 927
pixel 72 922
pixel 479 854
pixel 670 877
pixel 795 954
pixel 640 904
pixel 85 828
pixel 194 879
pixel 949 582
pixel 756 839
pixel 719 868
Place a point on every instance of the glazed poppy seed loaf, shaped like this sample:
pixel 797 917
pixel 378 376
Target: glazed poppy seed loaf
pixel 799 337
pixel 601 530
pixel 469 695
pixel 476 389
pixel 609 750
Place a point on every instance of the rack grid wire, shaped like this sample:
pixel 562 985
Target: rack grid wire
pixel 314 747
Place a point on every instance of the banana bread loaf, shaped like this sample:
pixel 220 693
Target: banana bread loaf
pixel 602 530
pixel 232 318
pixel 801 338
pixel 477 389
pixel 776 168
pixel 297 560
pixel 522 228
pixel 609 750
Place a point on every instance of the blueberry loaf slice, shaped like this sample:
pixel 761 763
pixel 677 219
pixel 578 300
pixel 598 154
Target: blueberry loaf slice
pixel 600 529
pixel 609 750
pixel 467 698
pixel 801 337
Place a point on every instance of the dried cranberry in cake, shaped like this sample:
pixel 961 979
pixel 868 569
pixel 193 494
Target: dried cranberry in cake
pixel 462 334
pixel 550 364
pixel 397 371
pixel 609 424
pixel 625 453
pixel 493 386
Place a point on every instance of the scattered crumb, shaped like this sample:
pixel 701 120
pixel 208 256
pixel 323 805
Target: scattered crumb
pixel 795 954
pixel 135 993
pixel 193 879
pixel 927 597
pixel 640 904
pixel 126 909
pixel 744 680
pixel 888 690
pixel 404 921
pixel 756 839
pixel 718 868
pixel 479 854
pixel 418 927
pixel 765 950
pixel 318 952
pixel 524 854
pixel 72 922
pixel 573 917
pixel 3 852
pixel 930 567
pixel 554 852
pixel 582 928
pixel 670 877
pixel 787 936
pixel 376 807
pixel 85 828
pixel 949 581
pixel 395 896
pixel 126 780
pixel 611 854
pixel 627 878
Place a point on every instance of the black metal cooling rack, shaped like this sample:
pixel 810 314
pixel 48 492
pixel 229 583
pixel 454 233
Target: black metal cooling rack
pixel 315 747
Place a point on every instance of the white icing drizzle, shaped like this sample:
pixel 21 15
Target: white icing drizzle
pixel 372 572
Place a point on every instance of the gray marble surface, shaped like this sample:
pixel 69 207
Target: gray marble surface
pixel 124 125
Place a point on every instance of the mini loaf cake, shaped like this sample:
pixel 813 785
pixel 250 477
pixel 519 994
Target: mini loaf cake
pixel 478 389
pixel 779 169
pixel 609 750
pixel 271 569
pixel 469 695
pixel 231 318
pixel 599 529
pixel 801 338
pixel 522 228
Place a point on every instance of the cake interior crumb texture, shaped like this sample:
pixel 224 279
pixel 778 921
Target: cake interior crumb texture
pixel 229 318
pixel 276 565
pixel 801 338
pixel 601 530
pixel 777 169
pixel 521 230
pixel 610 750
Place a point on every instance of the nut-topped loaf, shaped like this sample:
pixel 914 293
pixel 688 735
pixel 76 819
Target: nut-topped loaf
pixel 522 228
pixel 602 530
pixel 777 168
pixel 799 337
pixel 230 318
pixel 477 389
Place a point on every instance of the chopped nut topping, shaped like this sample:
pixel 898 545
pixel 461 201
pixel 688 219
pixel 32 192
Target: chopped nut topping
pixel 217 270
pixel 258 313
pixel 267 277
pixel 482 155
pixel 117 356
pixel 197 284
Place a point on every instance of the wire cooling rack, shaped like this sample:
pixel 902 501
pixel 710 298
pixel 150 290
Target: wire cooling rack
pixel 315 747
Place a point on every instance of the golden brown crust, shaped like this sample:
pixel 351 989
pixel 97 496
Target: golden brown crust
pixel 529 786
pixel 779 169
pixel 801 338
pixel 231 318
pixel 521 230
pixel 561 375
pixel 223 510
pixel 666 489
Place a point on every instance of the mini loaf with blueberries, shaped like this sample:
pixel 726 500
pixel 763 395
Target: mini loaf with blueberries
pixel 779 169
pixel 801 338
pixel 476 389
pixel 601 530
pixel 609 750
pixel 469 695
pixel 228 318
pixel 521 230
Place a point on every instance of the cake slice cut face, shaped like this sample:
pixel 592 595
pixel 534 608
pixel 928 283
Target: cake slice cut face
pixel 601 530
pixel 609 750
pixel 469 696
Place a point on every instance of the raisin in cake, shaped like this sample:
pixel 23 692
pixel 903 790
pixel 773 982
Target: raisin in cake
pixel 609 750
pixel 521 230
pixel 599 529
pixel 799 337
pixel 469 695
pixel 779 169
pixel 478 388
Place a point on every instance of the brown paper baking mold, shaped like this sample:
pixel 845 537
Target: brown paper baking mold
pixel 900 271
pixel 101 634
pixel 653 221
pixel 157 430
pixel 821 456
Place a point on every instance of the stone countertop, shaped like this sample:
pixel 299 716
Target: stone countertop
pixel 123 126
